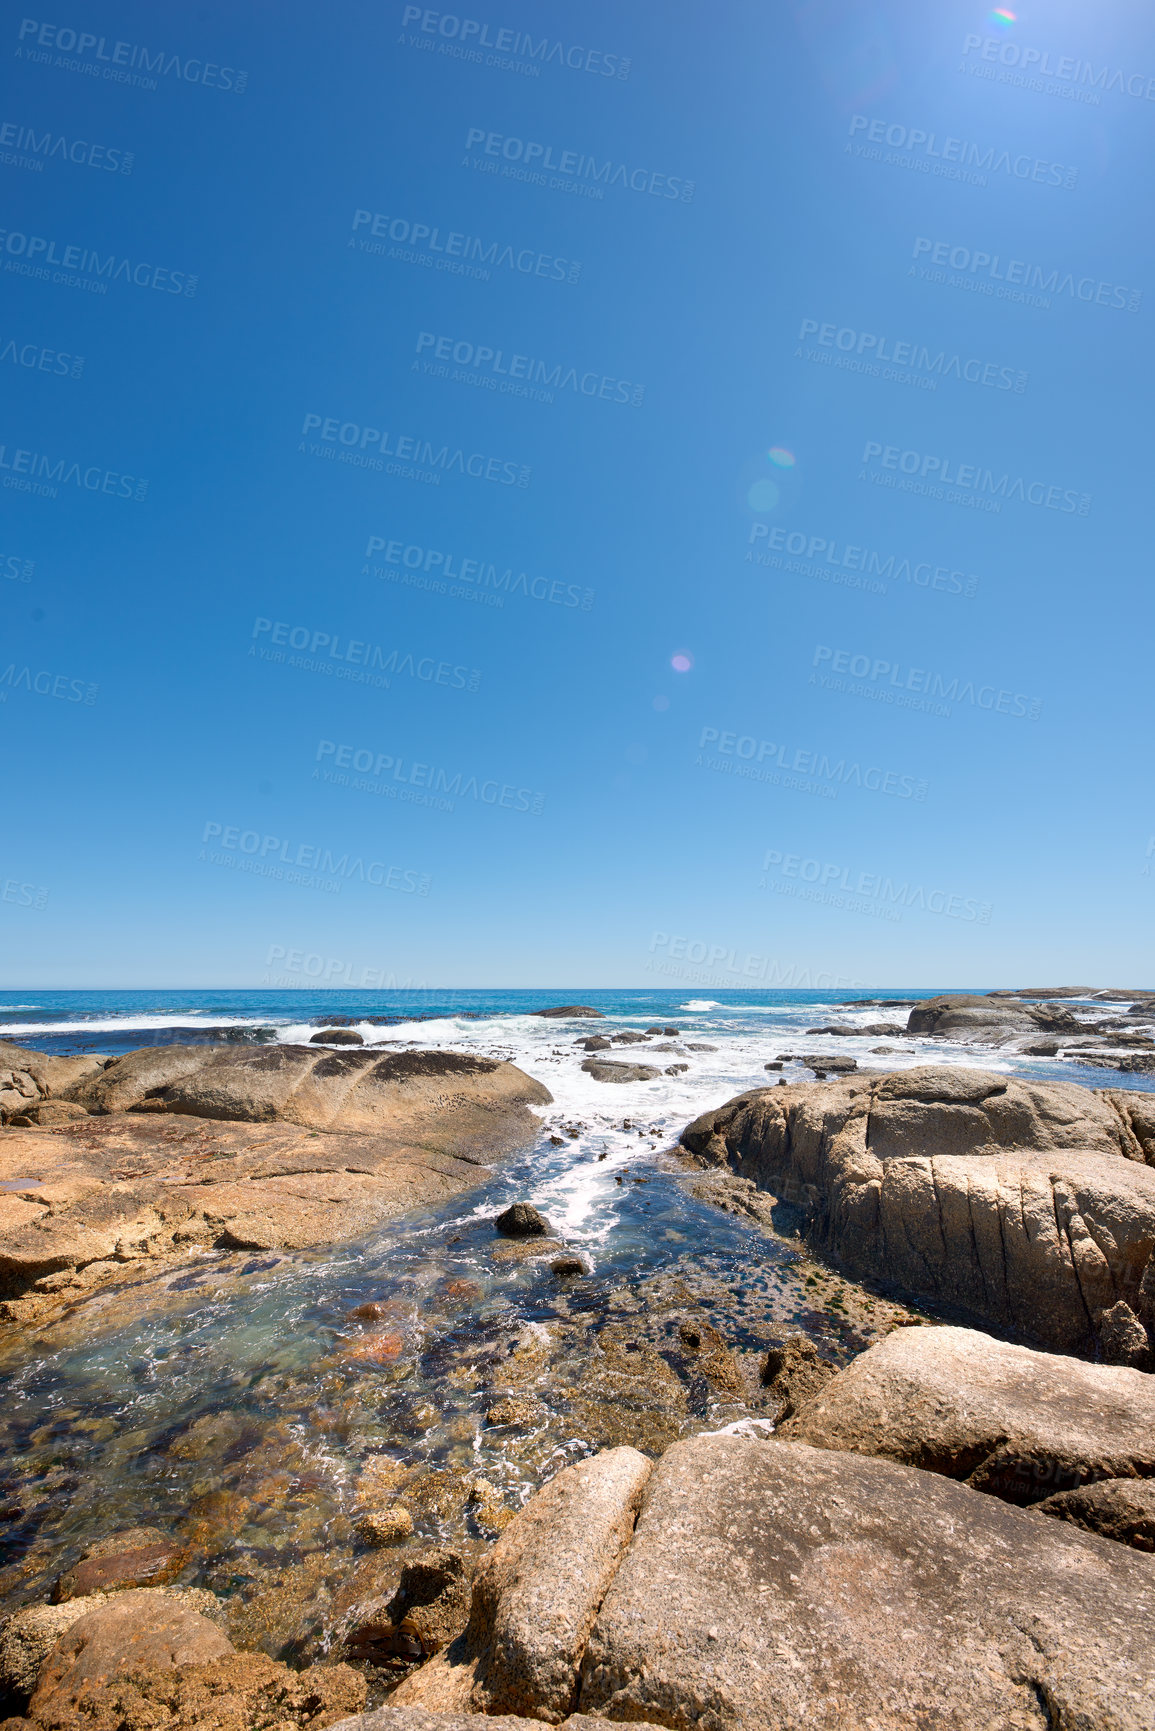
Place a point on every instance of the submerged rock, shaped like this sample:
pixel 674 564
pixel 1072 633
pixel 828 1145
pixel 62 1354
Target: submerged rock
pixel 139 1557
pixel 570 1010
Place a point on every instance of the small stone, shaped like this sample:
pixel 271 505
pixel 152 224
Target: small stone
pixel 388 1526
pixel 522 1220
pixel 371 1311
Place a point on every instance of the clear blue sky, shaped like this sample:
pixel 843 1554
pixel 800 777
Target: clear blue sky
pixel 857 273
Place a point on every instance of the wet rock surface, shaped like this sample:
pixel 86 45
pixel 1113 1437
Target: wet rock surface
pixel 87 1200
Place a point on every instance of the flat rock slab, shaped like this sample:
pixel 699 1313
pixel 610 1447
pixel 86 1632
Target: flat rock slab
pixel 1019 1424
pixel 780 1587
pixel 83 1201
pixel 1026 1205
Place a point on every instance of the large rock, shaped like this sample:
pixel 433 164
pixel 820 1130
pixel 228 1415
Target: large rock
pixel 537 1593
pixel 465 1100
pixel 132 1629
pixel 567 1010
pixel 81 1204
pixel 776 1586
pixel 28 1078
pixel 1020 1204
pixel 985 1021
pixel 1019 1424
pixel 606 1070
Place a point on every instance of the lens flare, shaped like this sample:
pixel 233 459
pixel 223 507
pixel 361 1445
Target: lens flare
pixel 781 457
pixel 1002 17
pixel 681 662
pixel 763 496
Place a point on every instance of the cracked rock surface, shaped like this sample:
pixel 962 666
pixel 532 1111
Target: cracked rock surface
pixel 1027 1206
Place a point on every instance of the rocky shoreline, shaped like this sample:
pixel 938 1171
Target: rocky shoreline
pixel 941 1513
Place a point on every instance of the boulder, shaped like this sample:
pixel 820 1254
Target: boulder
pixel 603 1070
pixel 628 1037
pixel 824 1065
pixel 776 1586
pixel 1017 1204
pixel 595 1043
pixel 569 1010
pixel 537 1593
pixel 1120 1509
pixel 1015 1423
pixel 45 1076
pixel 337 1037
pixel 522 1220
pixel 47 1113
pixel 972 1020
pixel 130 1630
pixel 352 1091
pixel 836 1028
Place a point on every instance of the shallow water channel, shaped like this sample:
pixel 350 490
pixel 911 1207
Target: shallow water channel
pixel 241 1405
